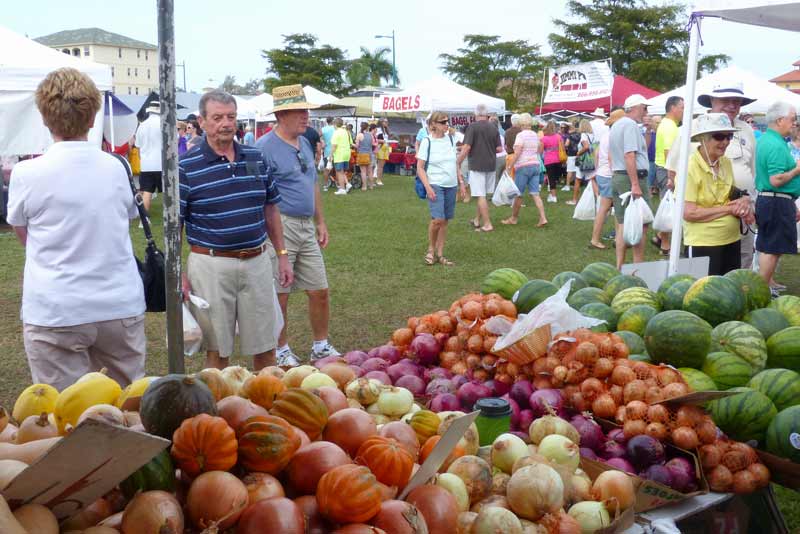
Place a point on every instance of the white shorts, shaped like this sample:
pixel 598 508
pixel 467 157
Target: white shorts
pixel 585 175
pixel 481 183
pixel 571 167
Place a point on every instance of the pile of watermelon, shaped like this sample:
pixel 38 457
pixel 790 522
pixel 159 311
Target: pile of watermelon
pixel 721 332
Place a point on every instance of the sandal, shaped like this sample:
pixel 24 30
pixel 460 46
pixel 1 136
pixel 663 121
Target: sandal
pixel 430 259
pixel 508 221
pixel 444 261
pixel 475 224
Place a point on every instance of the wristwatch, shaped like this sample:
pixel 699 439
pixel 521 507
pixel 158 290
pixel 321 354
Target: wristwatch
pixel 283 252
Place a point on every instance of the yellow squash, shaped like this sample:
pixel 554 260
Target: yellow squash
pixel 90 389
pixel 132 395
pixel 34 400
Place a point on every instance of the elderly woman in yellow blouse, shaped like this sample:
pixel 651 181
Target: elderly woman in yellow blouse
pixel 713 207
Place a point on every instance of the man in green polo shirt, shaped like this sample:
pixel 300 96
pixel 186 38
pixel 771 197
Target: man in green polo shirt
pixel 778 186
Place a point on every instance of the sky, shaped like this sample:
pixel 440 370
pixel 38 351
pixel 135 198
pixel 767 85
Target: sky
pixel 217 38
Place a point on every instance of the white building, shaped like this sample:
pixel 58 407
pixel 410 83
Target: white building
pixel 134 64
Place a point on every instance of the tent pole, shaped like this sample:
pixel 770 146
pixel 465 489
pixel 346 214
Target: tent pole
pixel 541 96
pixel 611 96
pixel 111 121
pixel 169 166
pixel 683 164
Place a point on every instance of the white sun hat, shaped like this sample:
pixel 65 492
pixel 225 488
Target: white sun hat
pixel 712 123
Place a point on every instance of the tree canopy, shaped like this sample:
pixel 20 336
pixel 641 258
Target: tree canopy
pixel 507 69
pixel 253 87
pixel 370 68
pixel 302 61
pixel 646 43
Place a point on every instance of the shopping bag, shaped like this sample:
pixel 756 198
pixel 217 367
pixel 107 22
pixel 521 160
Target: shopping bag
pixel 585 209
pixel 647 213
pixel 562 152
pixel 632 227
pixel 329 165
pixel 192 333
pixel 662 222
pixel 505 192
pixel 321 164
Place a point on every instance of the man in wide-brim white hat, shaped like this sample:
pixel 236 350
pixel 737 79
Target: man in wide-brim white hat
pixel 598 123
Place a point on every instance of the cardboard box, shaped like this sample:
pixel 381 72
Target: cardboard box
pixel 83 467
pixel 782 471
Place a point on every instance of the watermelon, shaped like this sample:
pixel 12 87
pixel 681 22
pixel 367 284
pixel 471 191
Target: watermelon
pixel 767 321
pixel 783 349
pixel 789 306
pixel 744 416
pixel 678 338
pixel 635 318
pixel 505 282
pixel 586 295
pixel 673 298
pixel 598 310
pixel 577 281
pixel 742 340
pixel 716 299
pixel 754 287
pixel 672 280
pixel 782 386
pixel 727 370
pixel 633 340
pixel 532 294
pixel 599 273
pixel 627 298
pixel 602 328
pixel 783 434
pixel 697 380
pixel 620 282
pixel 640 358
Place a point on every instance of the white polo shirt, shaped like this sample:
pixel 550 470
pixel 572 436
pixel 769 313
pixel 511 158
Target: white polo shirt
pixel 75 202
pixel 148 139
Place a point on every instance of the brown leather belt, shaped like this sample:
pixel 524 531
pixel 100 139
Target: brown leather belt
pixel 242 254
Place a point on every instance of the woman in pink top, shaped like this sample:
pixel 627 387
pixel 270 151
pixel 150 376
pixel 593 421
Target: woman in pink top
pixel 551 142
pixel 525 160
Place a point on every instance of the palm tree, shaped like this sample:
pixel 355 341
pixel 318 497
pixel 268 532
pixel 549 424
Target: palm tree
pixel 377 66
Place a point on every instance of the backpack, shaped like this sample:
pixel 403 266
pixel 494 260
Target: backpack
pixel 586 161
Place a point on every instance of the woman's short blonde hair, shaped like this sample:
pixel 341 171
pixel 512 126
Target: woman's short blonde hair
pixel 585 127
pixel 437 116
pixel 68 101
pixel 525 120
pixel 550 129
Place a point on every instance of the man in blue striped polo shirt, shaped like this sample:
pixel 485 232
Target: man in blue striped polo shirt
pixel 229 206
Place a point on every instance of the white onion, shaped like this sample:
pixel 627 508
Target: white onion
pixel 394 401
pixel 507 449
pixel 363 390
pixel 236 376
pixel 560 450
pixel 456 486
pixel 493 519
pixel 318 380
pixel 295 376
pixel 580 487
pixel 535 490
pixel 551 424
pixel 590 515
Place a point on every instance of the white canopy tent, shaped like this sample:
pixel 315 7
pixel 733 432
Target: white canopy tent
pixel 781 14
pixel 23 65
pixel 263 104
pixel 764 91
pixel 436 94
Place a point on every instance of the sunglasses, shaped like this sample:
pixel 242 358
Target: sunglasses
pixel 722 136
pixel 302 161
pixel 442 122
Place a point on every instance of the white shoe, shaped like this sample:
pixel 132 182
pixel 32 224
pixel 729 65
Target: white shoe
pixel 551 199
pixel 324 352
pixel 288 359
pixel 348 187
pixel 571 202
pixel 340 192
pixel 565 188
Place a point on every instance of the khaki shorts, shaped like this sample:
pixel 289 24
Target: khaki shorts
pixel 481 183
pixel 236 291
pixel 60 355
pixel 305 256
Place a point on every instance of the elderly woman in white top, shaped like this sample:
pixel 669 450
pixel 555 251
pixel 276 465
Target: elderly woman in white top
pixel 437 170
pixel 527 168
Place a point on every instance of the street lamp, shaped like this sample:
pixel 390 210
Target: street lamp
pixel 394 60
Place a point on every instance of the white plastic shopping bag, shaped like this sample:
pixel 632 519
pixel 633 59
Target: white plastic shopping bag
pixel 647 213
pixel 505 192
pixel 192 333
pixel 663 219
pixel 632 227
pixel 585 209
pixel 329 165
pixel 321 164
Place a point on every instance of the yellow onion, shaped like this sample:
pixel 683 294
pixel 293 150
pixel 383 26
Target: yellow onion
pixel 236 376
pixel 493 519
pixel 507 449
pixel 560 450
pixel 395 401
pixel 535 490
pixel 590 515
pixel 615 489
pixel 363 390
pixel 318 380
pixel 456 486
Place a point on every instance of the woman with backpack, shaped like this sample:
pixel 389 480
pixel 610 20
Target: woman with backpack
pixel 585 160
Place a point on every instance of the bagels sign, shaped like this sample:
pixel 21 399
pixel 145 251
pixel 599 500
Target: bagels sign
pixel 398 103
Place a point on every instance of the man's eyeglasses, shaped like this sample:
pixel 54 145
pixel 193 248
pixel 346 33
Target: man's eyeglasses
pixel 302 161
pixel 722 136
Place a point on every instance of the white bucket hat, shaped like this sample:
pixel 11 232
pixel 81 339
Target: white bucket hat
pixel 599 112
pixel 712 123
pixel 725 90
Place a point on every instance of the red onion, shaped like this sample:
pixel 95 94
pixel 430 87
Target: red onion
pixel 425 349
pixel 459 380
pixel 407 367
pixel 521 391
pixel 644 451
pixel 439 385
pixel 591 434
pixel 470 392
pixel 610 449
pixel 444 402
pixel 357 370
pixel 373 352
pixel 525 419
pixel 375 364
pixel 414 384
pixel 682 472
pixel 441 338
pixel 514 412
pixel 588 453
pixel 389 353
pixel 658 473
pixel 322 362
pixel 618 435
pixel 380 376
pixel 622 464
pixel 497 388
pixel 355 357
pixel 436 372
pixel 542 400
pixel 396 371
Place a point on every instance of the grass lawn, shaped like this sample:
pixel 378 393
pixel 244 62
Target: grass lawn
pixel 376 274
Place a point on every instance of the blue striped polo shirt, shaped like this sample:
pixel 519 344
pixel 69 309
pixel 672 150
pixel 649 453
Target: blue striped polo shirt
pixel 222 202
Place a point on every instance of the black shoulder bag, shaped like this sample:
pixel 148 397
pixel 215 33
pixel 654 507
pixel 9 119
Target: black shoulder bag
pixel 152 270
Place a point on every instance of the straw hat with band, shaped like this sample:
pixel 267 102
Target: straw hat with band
pixel 727 90
pixel 288 97
pixel 615 115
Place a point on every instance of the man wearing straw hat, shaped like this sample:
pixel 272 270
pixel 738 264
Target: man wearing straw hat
pixel 291 160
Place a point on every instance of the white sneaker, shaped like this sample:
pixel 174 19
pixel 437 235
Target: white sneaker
pixel 565 188
pixel 324 352
pixel 571 202
pixel 348 187
pixel 551 199
pixel 341 192
pixel 288 359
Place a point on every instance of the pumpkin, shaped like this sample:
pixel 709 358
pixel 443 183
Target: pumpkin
pixel 425 423
pixel 204 443
pixel 212 378
pixel 427 448
pixel 389 461
pixel 170 400
pixel 235 376
pixel 90 389
pixel 302 409
pixel 157 474
pixel 263 390
pixel 266 444
pixel 349 494
pixel 131 397
pixel 34 400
